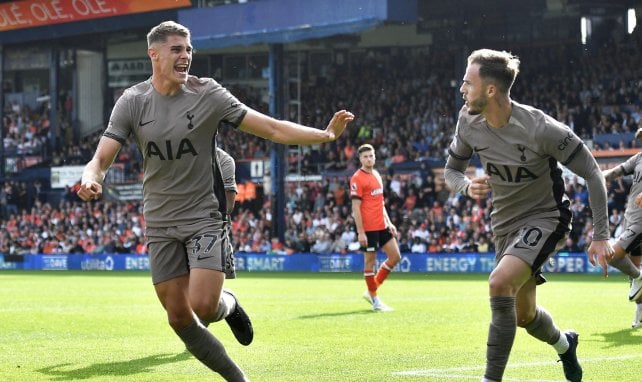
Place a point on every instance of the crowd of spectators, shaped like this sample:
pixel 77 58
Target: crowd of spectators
pixel 75 227
pixel 405 100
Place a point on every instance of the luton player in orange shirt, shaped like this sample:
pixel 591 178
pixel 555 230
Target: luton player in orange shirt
pixel 374 228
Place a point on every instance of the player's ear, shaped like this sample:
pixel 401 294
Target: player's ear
pixel 152 53
pixel 491 89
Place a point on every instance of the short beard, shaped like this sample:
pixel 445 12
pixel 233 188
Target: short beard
pixel 477 106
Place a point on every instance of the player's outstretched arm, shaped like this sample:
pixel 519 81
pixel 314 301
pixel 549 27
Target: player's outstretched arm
pixel 613 173
pixel 287 132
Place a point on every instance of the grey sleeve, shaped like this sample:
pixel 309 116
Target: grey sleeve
pixel 583 164
pixel 628 167
pixel 228 169
pixel 454 174
pixel 119 126
pixel 227 106
pixel 459 154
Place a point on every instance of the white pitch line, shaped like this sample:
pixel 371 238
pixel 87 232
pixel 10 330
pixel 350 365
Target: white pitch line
pixel 450 372
pixel 461 377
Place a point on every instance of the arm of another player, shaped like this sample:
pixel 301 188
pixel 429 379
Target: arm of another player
pixel 584 165
pixel 287 132
pixel 91 185
pixel 230 198
pixel 638 199
pixel 358 221
pixel 613 173
pixel 392 227
pixel 228 172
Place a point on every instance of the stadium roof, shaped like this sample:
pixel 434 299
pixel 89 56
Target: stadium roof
pixel 287 21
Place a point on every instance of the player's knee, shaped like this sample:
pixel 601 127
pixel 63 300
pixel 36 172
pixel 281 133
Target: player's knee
pixel 394 259
pixel 179 319
pixel 204 309
pixel 524 318
pixel 498 286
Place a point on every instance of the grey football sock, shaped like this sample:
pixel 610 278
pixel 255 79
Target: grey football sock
pixel 501 335
pixel 543 328
pixel 207 349
pixel 626 266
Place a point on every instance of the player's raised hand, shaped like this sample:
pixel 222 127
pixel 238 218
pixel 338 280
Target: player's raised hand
pixel 601 252
pixel 338 123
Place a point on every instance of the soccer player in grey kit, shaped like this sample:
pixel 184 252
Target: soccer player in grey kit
pixel 174 117
pixel 520 147
pixel 228 174
pixel 628 243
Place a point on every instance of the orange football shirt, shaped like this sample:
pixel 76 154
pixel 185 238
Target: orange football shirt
pixel 369 188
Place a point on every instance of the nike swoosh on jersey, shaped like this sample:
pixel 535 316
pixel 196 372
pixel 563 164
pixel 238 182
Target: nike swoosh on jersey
pixel 141 123
pixel 477 149
pixel 204 257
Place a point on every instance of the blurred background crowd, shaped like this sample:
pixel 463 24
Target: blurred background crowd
pixel 406 105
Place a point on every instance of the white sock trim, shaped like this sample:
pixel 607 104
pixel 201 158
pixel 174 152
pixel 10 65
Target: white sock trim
pixel 562 345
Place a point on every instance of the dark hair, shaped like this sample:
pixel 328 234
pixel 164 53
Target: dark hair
pixel 500 67
pixel 160 32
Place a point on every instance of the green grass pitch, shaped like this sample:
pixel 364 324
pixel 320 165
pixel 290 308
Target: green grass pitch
pixel 85 326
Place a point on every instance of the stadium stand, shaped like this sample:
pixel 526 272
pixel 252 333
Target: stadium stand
pixel 405 103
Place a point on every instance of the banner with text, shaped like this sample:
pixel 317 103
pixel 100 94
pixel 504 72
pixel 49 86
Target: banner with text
pixel 258 262
pixel 35 13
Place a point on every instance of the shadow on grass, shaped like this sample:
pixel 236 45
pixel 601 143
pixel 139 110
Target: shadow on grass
pixel 619 338
pixel 63 372
pixel 337 314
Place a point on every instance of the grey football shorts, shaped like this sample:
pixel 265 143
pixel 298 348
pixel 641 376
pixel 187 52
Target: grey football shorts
pixel 630 238
pixel 173 251
pixel 534 243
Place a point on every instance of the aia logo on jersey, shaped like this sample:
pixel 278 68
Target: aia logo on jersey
pixel 166 151
pixel 507 174
pixel 377 191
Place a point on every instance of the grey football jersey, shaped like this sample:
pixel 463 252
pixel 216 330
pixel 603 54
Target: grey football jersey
pixel 522 159
pixel 176 137
pixel 228 169
pixel 633 166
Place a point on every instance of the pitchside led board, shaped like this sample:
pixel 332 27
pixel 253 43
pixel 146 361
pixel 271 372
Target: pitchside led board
pixel 36 13
pixel 302 262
